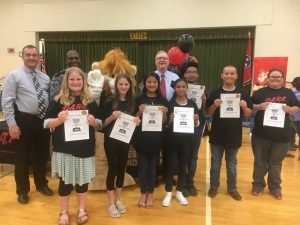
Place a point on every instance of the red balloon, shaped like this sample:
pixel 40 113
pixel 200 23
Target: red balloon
pixel 176 56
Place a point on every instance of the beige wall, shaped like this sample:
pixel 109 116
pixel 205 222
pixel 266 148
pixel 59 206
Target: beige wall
pixel 277 21
pixel 282 36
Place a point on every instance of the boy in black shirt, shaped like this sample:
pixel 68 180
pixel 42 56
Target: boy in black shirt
pixel 191 74
pixel 226 133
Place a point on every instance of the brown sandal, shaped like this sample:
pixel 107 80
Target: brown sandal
pixel 149 201
pixel 62 221
pixel 83 218
pixel 149 205
pixel 141 204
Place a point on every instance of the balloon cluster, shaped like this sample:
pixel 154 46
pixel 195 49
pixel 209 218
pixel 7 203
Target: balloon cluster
pixel 179 56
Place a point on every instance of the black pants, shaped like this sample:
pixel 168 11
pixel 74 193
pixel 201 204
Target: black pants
pixel 117 156
pixel 66 189
pixel 178 152
pixel 34 139
pixel 147 171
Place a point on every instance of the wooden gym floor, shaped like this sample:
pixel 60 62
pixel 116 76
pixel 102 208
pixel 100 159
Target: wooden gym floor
pixel 222 210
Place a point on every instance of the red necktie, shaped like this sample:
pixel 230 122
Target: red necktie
pixel 163 86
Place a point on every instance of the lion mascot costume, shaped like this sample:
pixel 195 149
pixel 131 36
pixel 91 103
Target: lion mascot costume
pixel 101 81
pixel 114 63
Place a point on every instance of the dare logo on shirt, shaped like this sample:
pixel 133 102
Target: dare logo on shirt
pixel 75 107
pixel 276 99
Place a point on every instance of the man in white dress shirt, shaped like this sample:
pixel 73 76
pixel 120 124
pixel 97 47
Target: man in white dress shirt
pixel 21 103
pixel 162 63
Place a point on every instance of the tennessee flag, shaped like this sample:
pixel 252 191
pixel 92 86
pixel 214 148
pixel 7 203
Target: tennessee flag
pixel 247 67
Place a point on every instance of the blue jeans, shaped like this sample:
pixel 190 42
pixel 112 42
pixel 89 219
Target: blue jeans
pixel 192 161
pixel 268 157
pixel 251 120
pixel 146 172
pixel 216 163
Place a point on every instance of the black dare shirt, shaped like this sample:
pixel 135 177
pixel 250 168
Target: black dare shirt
pixel 267 94
pixel 81 148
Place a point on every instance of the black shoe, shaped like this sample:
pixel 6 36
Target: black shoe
pixel 193 191
pixel 277 194
pixel 23 199
pixel 212 192
pixel 45 190
pixel 235 195
pixel 256 191
pixel 186 192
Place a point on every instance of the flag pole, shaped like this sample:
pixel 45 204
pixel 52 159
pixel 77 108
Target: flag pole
pixel 251 86
pixel 252 71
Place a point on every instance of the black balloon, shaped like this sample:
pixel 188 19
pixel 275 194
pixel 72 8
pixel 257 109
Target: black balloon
pixel 186 43
pixel 175 69
pixel 187 61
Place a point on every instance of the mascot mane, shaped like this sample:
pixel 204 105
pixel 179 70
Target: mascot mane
pixel 115 62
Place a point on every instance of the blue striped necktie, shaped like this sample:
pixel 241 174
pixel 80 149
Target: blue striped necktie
pixel 39 92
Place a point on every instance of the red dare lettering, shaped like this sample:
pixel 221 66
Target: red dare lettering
pixel 276 99
pixel 75 107
pixel 80 107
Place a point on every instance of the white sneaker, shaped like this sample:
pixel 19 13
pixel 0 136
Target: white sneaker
pixel 167 199
pixel 181 199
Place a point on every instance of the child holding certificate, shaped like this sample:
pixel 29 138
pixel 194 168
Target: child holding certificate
pixel 226 132
pixel 191 74
pixel 270 143
pixel 184 116
pixel 147 154
pixel 117 151
pixel 73 161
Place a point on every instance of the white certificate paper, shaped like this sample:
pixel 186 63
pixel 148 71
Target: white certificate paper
pixel 230 105
pixel 183 120
pixel 123 128
pixel 274 115
pixel 195 93
pixel 152 118
pixel 76 126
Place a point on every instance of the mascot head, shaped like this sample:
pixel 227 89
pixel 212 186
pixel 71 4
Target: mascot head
pixel 115 62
